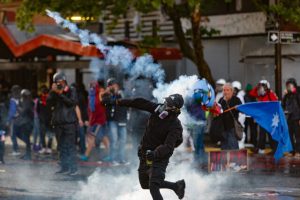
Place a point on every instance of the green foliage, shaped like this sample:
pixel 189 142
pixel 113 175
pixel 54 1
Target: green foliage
pixel 288 10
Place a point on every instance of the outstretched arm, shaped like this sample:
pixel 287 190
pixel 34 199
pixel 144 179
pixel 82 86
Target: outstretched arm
pixel 138 103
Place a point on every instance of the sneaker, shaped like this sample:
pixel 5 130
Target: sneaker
pixel 42 151
pixel 84 158
pixel 15 153
pixel 100 162
pixel 261 151
pixel 180 189
pixel 62 171
pixel 73 172
pixel 48 151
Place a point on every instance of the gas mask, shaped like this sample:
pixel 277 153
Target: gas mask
pixel 162 111
pixel 261 91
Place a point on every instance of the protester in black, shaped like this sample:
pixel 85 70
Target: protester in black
pixel 63 99
pixel 163 134
pixel 291 105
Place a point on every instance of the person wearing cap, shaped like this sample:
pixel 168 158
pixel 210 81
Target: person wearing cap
pixel 116 123
pixel 263 92
pixel 163 134
pixel 63 101
pixel 291 105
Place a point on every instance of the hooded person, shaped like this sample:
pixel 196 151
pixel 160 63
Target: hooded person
pixel 291 105
pixel 162 135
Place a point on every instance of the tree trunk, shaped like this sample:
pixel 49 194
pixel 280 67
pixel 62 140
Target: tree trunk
pixel 199 59
pixel 195 51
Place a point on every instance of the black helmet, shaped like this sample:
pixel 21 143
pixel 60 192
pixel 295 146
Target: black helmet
pixel 59 77
pixel 291 81
pixel 111 81
pixel 175 100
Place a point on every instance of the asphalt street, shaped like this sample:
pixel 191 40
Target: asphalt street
pixel 36 180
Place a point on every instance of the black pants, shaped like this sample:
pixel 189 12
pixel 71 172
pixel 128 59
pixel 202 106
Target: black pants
pixel 294 129
pixel 67 146
pixel 23 132
pixel 253 130
pixel 153 177
pixel 262 140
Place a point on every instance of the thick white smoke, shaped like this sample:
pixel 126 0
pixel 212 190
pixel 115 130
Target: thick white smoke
pixel 114 55
pixel 109 186
pixel 183 85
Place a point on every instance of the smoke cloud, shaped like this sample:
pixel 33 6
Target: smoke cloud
pixel 114 55
pixel 109 186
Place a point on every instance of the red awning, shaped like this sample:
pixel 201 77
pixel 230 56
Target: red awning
pixel 43 45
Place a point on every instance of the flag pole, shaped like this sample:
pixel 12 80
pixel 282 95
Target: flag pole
pixel 229 109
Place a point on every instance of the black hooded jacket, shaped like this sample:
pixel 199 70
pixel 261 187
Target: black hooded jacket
pixel 291 104
pixel 162 135
pixel 63 107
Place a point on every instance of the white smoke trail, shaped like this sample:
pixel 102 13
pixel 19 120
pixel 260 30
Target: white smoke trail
pixel 116 55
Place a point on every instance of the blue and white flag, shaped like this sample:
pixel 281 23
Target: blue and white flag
pixel 270 116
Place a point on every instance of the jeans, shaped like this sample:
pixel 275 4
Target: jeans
pixel 117 136
pixel 197 133
pixel 230 142
pixel 36 129
pixel 46 131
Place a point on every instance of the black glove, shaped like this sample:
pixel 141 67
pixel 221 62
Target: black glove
pixel 150 155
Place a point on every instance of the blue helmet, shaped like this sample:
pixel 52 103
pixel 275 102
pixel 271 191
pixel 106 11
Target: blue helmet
pixel 203 93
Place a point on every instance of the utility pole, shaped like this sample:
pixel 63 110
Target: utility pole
pixel 278 63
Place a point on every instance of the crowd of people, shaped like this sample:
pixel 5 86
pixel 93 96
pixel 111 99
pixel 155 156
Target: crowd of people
pixel 229 95
pixel 84 119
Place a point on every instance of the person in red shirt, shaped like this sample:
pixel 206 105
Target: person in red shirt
pixel 97 117
pixel 263 92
